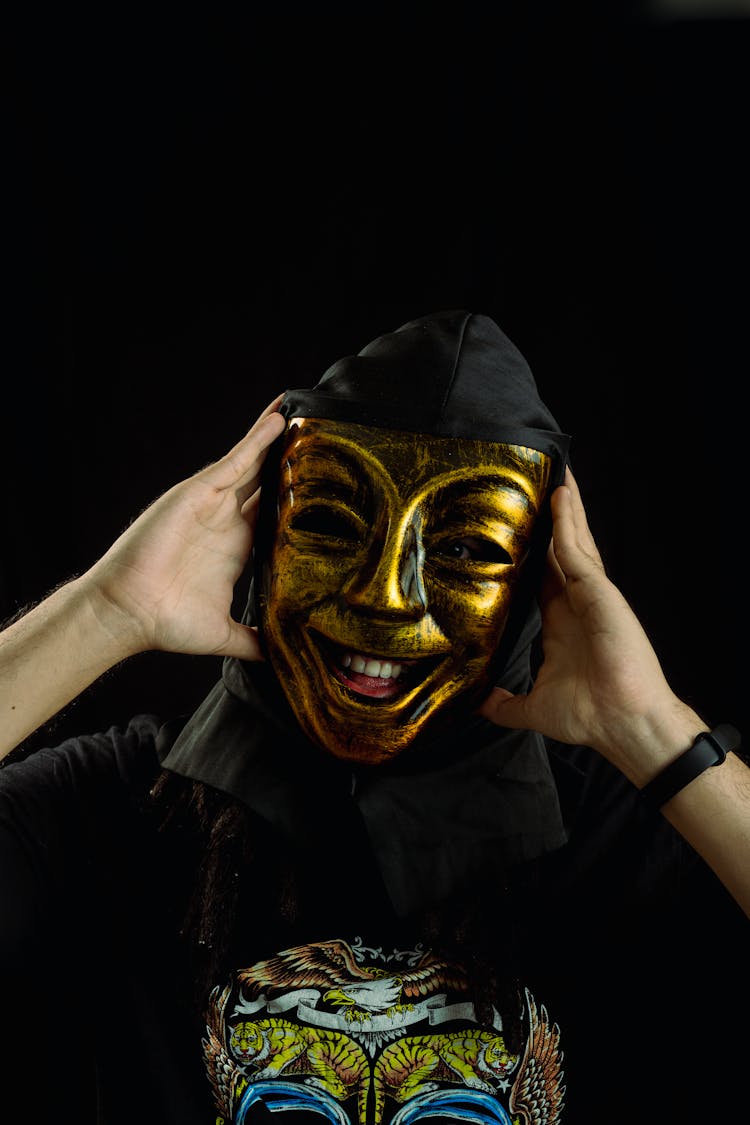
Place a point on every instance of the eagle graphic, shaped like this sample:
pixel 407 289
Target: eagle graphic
pixel 332 967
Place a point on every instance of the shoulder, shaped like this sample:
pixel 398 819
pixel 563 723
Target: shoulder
pixel 70 824
pixel 123 758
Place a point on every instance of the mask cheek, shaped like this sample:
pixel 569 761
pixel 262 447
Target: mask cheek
pixel 472 615
pixel 300 585
pixel 299 580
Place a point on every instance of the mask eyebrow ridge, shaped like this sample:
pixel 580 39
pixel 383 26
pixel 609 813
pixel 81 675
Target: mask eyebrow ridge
pixel 485 482
pixel 342 460
pixel 317 475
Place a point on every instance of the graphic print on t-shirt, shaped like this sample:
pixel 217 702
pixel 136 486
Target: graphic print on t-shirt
pixel 359 1036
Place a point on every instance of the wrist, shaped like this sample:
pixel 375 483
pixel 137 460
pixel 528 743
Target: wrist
pixel 650 743
pixel 113 632
pixel 708 749
pixel 51 654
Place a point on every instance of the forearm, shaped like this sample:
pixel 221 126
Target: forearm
pixel 53 653
pixel 712 812
pixel 713 815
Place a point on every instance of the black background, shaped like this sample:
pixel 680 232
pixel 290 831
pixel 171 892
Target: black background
pixel 205 206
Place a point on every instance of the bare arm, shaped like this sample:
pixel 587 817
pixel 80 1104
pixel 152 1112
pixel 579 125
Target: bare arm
pixel 601 685
pixel 167 583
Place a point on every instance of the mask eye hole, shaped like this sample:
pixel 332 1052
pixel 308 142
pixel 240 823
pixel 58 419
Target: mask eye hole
pixel 326 521
pixel 473 549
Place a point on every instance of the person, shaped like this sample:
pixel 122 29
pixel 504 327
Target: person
pixel 441 843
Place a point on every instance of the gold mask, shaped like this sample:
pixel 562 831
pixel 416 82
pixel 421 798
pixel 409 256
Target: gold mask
pixel 390 577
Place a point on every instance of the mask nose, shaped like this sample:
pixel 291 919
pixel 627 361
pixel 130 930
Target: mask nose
pixel 391 583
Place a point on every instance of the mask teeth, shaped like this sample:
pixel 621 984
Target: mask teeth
pixel 369 666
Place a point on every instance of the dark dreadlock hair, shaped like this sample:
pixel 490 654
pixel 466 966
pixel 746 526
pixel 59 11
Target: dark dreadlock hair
pixel 227 867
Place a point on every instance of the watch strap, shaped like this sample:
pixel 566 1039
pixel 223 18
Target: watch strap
pixel 710 748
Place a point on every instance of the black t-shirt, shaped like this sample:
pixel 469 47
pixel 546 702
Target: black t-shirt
pixel 630 956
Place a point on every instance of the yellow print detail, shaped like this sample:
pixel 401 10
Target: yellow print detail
pixel 418 1064
pixel 334 1062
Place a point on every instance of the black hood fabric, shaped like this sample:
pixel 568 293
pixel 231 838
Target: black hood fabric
pixel 467 804
pixel 453 374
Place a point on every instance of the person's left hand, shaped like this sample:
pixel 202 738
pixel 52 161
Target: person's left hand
pixel 600 683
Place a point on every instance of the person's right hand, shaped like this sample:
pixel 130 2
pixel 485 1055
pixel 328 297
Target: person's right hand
pixel 169 579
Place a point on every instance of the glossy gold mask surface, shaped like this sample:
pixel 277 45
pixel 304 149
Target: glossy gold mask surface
pixel 390 577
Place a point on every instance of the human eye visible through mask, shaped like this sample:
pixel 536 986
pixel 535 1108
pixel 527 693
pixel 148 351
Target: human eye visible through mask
pixel 473 549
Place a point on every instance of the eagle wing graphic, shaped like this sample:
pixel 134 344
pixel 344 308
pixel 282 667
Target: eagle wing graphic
pixel 223 1072
pixel 323 965
pixel 432 972
pixel 538 1093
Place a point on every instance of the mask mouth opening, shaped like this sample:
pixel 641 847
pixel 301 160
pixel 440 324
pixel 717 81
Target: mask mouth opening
pixel 373 678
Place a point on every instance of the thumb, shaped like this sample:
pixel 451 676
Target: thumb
pixel 505 709
pixel 242 642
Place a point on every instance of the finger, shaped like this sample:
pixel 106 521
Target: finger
pixel 240 467
pixel 273 406
pixel 575 550
pixel 580 519
pixel 553 578
pixel 579 516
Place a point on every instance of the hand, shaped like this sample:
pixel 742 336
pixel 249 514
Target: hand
pixel 600 683
pixel 170 577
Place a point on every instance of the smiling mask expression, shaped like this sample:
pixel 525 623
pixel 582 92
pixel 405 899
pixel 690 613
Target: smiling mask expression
pixel 390 577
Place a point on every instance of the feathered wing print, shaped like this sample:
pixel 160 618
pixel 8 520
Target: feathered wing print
pixel 226 1078
pixel 331 965
pixel 305 966
pixel 431 972
pixel 538 1093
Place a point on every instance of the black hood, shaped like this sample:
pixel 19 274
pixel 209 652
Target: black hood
pixel 453 374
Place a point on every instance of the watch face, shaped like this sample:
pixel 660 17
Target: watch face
pixel 389 579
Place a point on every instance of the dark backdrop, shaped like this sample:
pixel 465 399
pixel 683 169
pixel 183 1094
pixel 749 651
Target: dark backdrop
pixel 205 207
